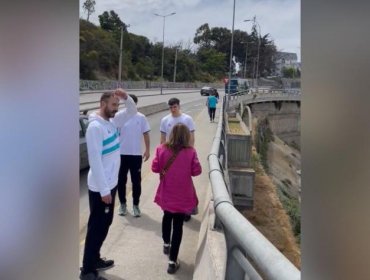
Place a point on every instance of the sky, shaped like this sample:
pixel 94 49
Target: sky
pixel 279 18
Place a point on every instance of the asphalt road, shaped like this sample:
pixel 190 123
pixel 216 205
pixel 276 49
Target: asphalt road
pixel 191 103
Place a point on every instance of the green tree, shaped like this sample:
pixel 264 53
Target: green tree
pixel 212 62
pixel 289 72
pixel 203 36
pixel 99 52
pixel 111 22
pixel 89 7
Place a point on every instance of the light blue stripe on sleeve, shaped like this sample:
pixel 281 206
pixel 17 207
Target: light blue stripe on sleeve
pixel 111 149
pixel 110 139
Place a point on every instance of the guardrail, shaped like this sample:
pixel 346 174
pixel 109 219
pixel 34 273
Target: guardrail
pixel 112 84
pixel 94 104
pixel 249 254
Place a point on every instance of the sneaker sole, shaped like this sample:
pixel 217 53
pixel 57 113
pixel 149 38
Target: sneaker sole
pixel 104 268
pixel 173 271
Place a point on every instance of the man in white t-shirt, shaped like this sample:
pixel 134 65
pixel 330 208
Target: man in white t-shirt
pixel 131 134
pixel 169 121
pixel 176 116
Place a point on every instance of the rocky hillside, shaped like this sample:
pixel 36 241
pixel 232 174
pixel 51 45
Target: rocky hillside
pixel 276 211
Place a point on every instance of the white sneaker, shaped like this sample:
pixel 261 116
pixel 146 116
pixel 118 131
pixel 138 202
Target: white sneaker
pixel 136 211
pixel 122 210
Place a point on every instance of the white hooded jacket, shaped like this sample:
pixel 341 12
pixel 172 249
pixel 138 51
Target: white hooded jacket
pixel 103 148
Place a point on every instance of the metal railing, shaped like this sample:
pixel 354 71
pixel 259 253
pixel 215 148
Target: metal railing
pixel 249 254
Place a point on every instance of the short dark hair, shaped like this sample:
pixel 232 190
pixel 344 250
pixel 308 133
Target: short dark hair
pixel 174 101
pixel 106 95
pixel 134 97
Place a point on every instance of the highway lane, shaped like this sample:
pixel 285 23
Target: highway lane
pixel 191 104
pixel 147 97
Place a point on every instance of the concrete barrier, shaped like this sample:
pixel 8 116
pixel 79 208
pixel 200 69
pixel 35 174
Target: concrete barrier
pixel 146 110
pixel 153 108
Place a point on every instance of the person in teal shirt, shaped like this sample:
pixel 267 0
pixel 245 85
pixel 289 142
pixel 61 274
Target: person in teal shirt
pixel 211 103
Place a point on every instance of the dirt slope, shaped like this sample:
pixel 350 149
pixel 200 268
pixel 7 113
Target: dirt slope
pixel 268 215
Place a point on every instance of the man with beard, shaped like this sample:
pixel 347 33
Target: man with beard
pixel 104 158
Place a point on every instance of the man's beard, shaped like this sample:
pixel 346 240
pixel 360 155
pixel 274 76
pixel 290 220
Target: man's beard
pixel 110 114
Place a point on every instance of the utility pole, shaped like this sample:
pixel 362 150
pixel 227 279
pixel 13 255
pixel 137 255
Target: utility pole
pixel 245 64
pixel 174 72
pixel 164 23
pixel 120 56
pixel 231 59
pixel 258 49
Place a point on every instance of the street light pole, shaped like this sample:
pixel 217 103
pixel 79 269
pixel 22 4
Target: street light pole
pixel 120 56
pixel 245 64
pixel 258 49
pixel 164 22
pixel 174 71
pixel 246 53
pixel 231 58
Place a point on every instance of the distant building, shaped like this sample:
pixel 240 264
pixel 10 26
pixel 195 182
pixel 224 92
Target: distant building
pixel 287 60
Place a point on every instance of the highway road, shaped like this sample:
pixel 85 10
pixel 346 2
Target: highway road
pixel 146 97
pixel 191 103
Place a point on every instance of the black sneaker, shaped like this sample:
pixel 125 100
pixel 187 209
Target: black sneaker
pixel 187 218
pixel 173 267
pixel 104 264
pixel 91 276
pixel 166 249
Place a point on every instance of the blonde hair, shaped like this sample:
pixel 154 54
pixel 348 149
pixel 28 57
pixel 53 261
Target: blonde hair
pixel 179 137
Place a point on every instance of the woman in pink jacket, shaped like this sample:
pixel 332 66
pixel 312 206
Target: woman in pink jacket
pixel 176 162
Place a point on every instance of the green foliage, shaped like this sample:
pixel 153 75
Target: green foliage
pixel 212 62
pixel 290 72
pixel 89 7
pixel 292 208
pixel 263 136
pixel 256 163
pixel 142 60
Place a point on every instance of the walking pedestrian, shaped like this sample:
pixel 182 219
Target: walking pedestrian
pixel 176 161
pixel 132 158
pixel 211 104
pixel 168 122
pixel 104 160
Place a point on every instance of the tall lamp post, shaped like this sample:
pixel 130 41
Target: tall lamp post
pixel 255 76
pixel 258 49
pixel 174 71
pixel 245 61
pixel 231 58
pixel 246 53
pixel 164 22
pixel 120 56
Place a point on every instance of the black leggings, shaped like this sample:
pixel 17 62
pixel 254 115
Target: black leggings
pixel 212 112
pixel 174 222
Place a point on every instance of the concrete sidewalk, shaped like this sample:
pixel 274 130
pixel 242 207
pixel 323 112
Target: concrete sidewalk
pixel 135 244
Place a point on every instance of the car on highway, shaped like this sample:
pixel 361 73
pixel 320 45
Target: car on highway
pixel 208 91
pixel 84 161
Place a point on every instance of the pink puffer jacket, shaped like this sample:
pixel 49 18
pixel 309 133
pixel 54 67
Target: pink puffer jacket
pixel 176 192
